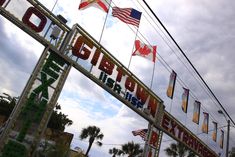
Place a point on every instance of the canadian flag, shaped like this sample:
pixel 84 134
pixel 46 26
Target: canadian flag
pixel 101 4
pixel 146 51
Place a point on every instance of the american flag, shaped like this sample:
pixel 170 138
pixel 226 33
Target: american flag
pixel 127 15
pixel 142 133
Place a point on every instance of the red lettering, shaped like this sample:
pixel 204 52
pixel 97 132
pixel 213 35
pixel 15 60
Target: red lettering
pixel 165 122
pixel 180 130
pixel 26 19
pixel 130 84
pixel 190 141
pixel 106 65
pixel 200 148
pixel 196 144
pixel 119 74
pixel 141 94
pixel 152 105
pixel 95 58
pixel 173 126
pixel 2 2
pixel 79 50
pixel 185 137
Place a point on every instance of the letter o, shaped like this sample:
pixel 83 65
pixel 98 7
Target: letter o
pixel 27 16
pixel 130 84
pixel 2 2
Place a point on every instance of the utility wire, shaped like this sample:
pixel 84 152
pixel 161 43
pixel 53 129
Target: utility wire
pixel 167 66
pixel 188 60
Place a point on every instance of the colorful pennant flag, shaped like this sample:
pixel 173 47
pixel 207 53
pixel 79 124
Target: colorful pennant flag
pixel 214 134
pixel 205 123
pixel 146 51
pixel 127 15
pixel 142 133
pixel 171 86
pixel 101 4
pixel 196 112
pixel 185 97
pixel 221 142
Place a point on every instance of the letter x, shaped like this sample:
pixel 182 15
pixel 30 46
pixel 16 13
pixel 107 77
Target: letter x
pixel 173 125
pixel 44 86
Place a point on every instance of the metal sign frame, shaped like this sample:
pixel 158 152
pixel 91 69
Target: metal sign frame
pixel 75 47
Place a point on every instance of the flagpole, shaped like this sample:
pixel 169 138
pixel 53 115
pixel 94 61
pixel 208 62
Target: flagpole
pixel 54 5
pixel 133 48
pixel 102 32
pixel 151 83
pixel 147 145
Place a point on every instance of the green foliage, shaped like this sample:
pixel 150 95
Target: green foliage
pixel 131 149
pixel 58 120
pixel 115 152
pixel 179 150
pixel 92 133
pixel 14 149
pixel 6 107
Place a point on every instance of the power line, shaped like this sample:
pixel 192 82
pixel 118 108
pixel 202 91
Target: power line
pixel 188 60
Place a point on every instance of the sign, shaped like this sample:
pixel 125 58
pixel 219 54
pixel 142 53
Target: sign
pixel 75 47
pixel 39 21
pixel 177 131
pixel 95 61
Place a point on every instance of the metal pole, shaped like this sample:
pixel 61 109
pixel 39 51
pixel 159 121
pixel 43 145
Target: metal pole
pixel 227 146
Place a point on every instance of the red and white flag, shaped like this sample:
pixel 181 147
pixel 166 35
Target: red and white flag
pixel 146 51
pixel 101 4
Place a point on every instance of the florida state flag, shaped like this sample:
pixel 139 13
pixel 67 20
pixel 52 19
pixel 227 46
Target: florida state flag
pixel 171 86
pixel 185 96
pixel 196 112
pixel 221 142
pixel 101 4
pixel 146 51
pixel 205 123
pixel 214 134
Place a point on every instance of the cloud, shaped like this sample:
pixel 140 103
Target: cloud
pixel 203 29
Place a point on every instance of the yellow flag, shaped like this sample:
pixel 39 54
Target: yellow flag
pixel 205 123
pixel 214 134
pixel 171 86
pixel 196 112
pixel 185 96
pixel 221 142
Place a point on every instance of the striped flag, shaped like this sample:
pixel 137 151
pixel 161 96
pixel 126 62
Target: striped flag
pixel 221 142
pixel 146 51
pixel 205 123
pixel 214 134
pixel 171 86
pixel 101 4
pixel 185 96
pixel 142 133
pixel 127 15
pixel 196 112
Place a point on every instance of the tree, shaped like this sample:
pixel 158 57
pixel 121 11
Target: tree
pixel 92 133
pixel 115 151
pixel 58 120
pixel 131 149
pixel 179 150
pixel 7 104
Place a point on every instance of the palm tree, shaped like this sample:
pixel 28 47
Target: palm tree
pixel 115 152
pixel 179 150
pixel 93 133
pixel 131 149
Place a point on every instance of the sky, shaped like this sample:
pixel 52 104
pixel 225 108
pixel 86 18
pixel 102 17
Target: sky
pixel 205 32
